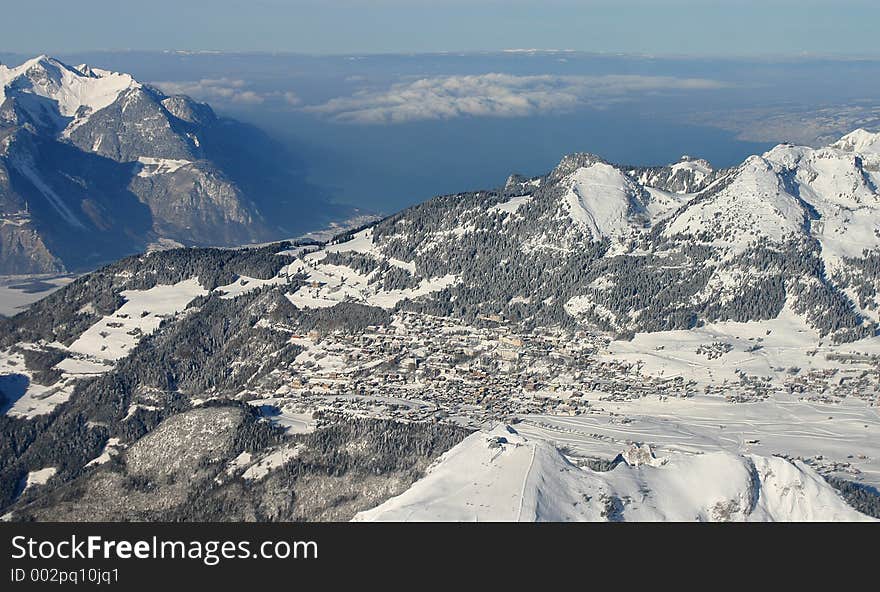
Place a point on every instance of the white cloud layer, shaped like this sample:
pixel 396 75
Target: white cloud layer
pixel 213 89
pixel 495 95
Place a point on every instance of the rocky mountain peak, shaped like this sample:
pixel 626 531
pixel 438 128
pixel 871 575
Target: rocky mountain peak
pixel 860 140
pixel 108 166
pixel 571 162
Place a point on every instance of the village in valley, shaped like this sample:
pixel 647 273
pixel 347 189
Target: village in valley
pixel 424 367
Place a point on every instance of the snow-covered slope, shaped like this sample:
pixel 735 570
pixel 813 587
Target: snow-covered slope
pixel 838 186
pixel 329 283
pixel 754 204
pixel 502 476
pixel 861 141
pixel 76 93
pixel 603 200
pixel 114 336
pixel 829 193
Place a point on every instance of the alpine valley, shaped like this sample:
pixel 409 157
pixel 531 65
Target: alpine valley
pixel 95 165
pixel 603 342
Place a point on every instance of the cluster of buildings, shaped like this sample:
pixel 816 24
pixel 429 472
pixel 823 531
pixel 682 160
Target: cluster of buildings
pixel 854 378
pixel 423 367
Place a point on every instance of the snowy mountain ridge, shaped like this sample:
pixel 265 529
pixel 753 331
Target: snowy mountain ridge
pixel 861 141
pixel 95 165
pixel 642 249
pixel 77 92
pixel 502 476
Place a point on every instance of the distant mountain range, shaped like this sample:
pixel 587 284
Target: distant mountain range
pixel 95 165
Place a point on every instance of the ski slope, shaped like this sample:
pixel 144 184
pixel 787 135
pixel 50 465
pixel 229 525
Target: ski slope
pixel 501 475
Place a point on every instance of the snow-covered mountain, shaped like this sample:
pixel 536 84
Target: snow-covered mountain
pixel 725 319
pixel 51 94
pixel 501 476
pixel 95 165
pixel 644 249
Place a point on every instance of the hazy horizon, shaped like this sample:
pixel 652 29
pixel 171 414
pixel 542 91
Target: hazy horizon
pixel 675 27
pixel 383 132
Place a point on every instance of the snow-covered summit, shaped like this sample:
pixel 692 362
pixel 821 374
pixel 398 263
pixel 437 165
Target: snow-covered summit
pixel 48 89
pixel 860 140
pixel 603 200
pixel 699 166
pixel 482 479
pixel 572 162
pixel 85 150
pixel 828 193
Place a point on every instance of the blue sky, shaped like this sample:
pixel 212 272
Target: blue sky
pixel 663 27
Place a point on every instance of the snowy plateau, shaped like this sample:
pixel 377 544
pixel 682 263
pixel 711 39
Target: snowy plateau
pixel 602 342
